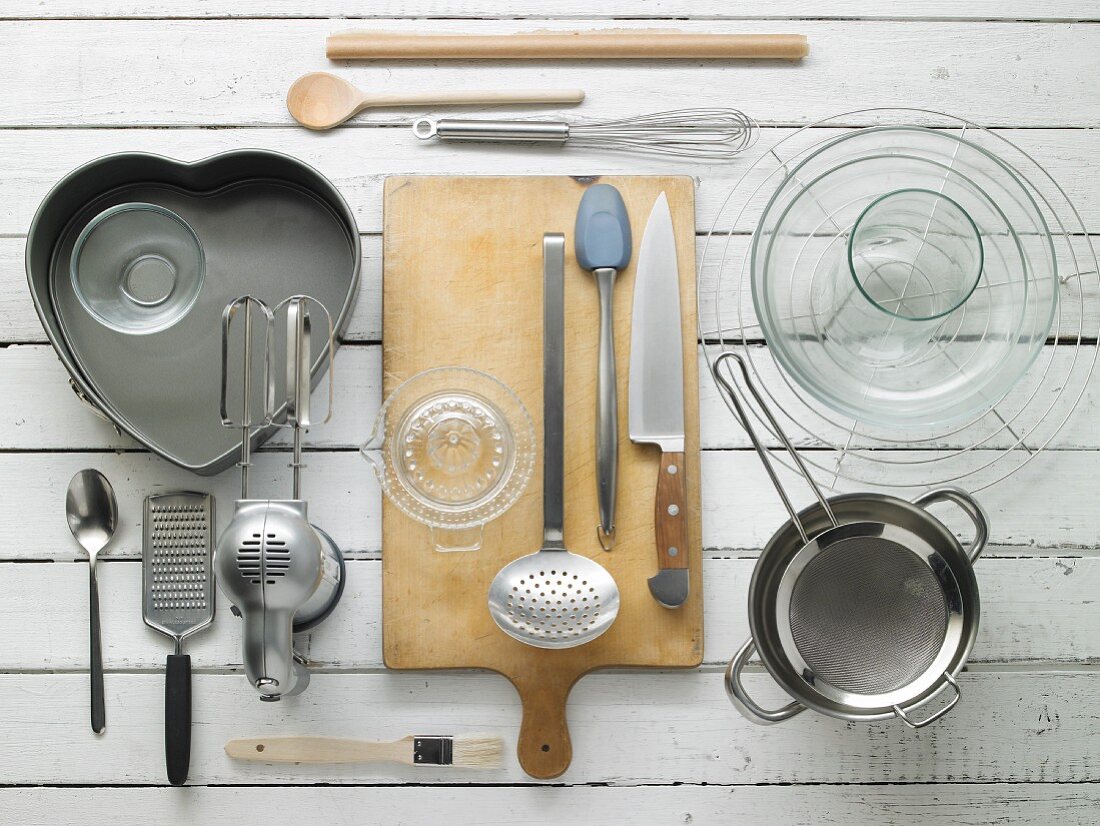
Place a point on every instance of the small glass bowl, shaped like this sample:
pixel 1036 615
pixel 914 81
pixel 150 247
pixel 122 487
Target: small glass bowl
pixel 453 448
pixel 137 268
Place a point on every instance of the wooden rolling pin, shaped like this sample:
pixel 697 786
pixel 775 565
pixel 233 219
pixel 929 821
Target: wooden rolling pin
pixel 367 45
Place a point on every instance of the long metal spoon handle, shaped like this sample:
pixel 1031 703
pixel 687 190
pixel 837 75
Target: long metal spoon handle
pixel 607 407
pixel 99 712
pixel 553 389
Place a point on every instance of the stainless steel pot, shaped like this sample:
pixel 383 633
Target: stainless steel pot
pixel 862 606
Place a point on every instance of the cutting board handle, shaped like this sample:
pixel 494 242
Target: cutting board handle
pixel 544 747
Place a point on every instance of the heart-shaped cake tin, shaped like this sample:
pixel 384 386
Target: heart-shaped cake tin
pixel 269 225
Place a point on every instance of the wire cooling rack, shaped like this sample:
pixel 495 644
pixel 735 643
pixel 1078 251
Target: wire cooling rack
pixel 974 453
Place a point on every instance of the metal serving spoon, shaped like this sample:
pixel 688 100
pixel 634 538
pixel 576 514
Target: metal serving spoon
pixel 92 514
pixel 321 100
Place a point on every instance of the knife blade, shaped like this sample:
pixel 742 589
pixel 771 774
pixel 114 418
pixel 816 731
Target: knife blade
pixel 656 396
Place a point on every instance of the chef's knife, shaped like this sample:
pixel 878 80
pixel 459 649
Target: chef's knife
pixel 657 396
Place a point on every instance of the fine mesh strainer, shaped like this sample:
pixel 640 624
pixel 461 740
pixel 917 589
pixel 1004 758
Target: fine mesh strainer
pixel 862 606
pixel 553 598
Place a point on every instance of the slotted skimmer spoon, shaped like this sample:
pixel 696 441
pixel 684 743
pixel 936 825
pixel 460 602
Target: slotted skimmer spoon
pixel 553 598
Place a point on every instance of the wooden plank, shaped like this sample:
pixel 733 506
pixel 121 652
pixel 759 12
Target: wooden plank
pixel 1027 607
pixel 228 72
pixel 37 382
pixel 19 322
pixel 453 290
pixel 740 509
pixel 948 804
pixel 629 729
pixel 45 414
pixel 357 160
pixel 579 9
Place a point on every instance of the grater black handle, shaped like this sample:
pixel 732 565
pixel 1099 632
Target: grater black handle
pixel 177 717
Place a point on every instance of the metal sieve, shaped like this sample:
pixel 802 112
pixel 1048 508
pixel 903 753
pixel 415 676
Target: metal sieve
pixel 863 606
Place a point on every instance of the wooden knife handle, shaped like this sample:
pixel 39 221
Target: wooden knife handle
pixel 367 45
pixel 670 517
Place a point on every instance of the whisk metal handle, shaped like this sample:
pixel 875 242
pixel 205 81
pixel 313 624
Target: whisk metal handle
pixel 492 131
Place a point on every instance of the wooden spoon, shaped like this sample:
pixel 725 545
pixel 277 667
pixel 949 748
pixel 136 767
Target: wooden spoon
pixel 320 100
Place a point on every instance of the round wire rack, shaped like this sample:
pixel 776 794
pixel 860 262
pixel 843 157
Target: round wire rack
pixel 973 453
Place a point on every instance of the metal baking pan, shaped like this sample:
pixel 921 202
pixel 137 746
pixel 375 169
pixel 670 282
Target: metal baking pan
pixel 270 226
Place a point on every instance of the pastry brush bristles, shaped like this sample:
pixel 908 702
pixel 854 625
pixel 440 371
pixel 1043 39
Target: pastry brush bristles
pixel 474 751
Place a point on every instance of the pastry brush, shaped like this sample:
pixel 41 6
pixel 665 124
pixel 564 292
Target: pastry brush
pixel 464 751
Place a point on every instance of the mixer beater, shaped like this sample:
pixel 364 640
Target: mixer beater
pixel 282 574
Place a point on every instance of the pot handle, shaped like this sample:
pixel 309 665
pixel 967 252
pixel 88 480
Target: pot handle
pixel 970 507
pixel 743 702
pixel 903 713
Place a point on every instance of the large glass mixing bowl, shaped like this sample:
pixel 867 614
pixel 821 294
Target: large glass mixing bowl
pixel 903 275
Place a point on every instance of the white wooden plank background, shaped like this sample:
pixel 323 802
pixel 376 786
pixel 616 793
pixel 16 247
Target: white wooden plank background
pixel 188 78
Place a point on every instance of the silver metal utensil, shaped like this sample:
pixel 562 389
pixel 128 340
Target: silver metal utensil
pixel 656 396
pixel 92 514
pixel 271 563
pixel 862 606
pixel 177 558
pixel 702 134
pixel 603 246
pixel 553 598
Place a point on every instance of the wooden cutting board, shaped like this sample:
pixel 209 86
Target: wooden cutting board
pixel 462 264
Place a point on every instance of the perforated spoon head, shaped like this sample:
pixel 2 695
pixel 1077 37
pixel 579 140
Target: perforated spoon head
pixel 554 599
pixel 321 100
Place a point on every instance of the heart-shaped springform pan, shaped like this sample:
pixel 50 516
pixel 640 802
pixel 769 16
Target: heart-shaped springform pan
pixel 269 225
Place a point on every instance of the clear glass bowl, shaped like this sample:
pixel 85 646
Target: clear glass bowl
pixel 137 268
pixel 903 275
pixel 453 448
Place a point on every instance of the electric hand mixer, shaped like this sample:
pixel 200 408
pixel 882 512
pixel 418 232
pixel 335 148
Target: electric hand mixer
pixel 282 574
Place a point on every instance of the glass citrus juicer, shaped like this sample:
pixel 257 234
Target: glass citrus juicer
pixel 453 448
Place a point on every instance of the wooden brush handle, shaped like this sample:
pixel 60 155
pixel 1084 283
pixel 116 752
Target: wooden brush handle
pixel 318 750
pixel 365 45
